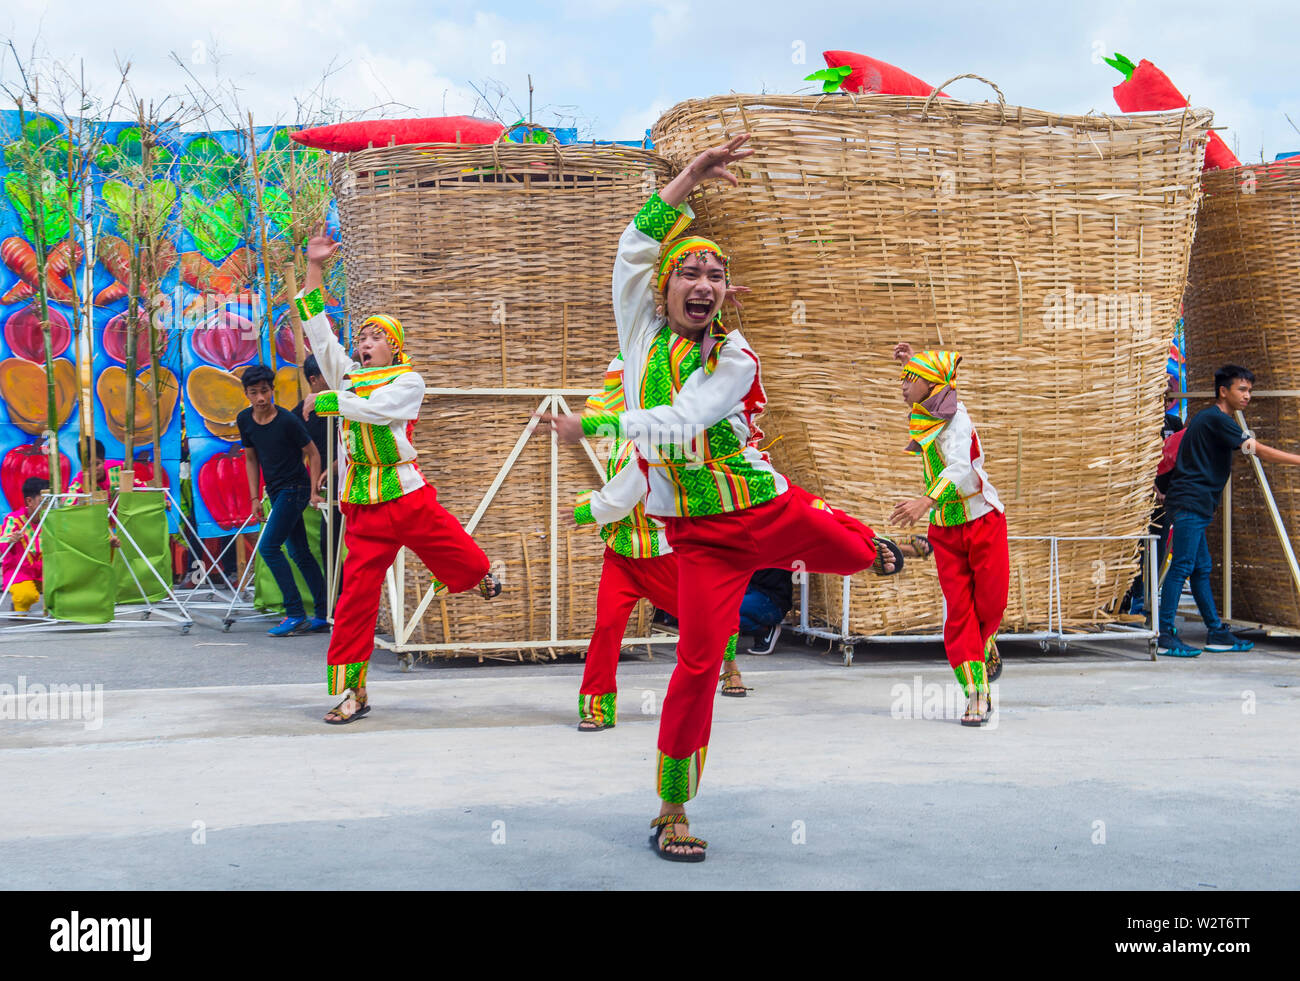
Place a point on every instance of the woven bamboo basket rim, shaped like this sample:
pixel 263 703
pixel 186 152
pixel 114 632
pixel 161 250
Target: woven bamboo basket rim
pixel 849 107
pixel 511 161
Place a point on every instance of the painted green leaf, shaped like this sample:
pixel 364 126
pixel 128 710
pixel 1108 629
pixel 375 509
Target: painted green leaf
pixel 128 154
pixel 158 200
pixel 278 207
pixel 54 205
pixel 217 226
pixel 206 165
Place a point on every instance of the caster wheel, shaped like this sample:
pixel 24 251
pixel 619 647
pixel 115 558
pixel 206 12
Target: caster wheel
pixel 185 629
pixel 847 651
pixel 405 661
pixel 808 640
pixel 225 627
pixel 1044 646
pixel 146 614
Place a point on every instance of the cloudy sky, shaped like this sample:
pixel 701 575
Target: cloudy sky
pixel 612 67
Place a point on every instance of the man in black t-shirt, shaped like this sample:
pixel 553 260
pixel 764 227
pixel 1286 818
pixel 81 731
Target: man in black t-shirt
pixel 275 440
pixel 1202 468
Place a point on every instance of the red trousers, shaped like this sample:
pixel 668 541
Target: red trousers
pixel 974 569
pixel 623 581
pixel 716 557
pixel 374 534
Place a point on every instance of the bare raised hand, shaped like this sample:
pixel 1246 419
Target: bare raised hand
pixel 712 163
pixel 321 246
pixel 903 352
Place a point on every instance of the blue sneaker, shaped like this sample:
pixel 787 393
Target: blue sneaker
pixel 314 625
pixel 287 626
pixel 1223 640
pixel 1171 646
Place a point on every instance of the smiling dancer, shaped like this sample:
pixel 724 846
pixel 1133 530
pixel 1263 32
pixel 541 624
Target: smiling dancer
pixel 386 500
pixel 693 393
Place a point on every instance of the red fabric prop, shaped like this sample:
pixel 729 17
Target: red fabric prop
pixel 1149 89
pixel 878 77
pixel 346 137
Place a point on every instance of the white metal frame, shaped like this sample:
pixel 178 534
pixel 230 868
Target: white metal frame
pixel 47 624
pixel 1055 631
pixel 551 400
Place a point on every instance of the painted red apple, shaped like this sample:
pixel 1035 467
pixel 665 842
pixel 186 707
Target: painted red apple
pixel 28 461
pixel 284 338
pixel 223 485
pixel 115 339
pixel 26 339
pixel 226 339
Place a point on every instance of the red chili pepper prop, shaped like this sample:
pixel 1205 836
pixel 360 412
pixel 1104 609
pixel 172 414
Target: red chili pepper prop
pixel 223 485
pixel 28 461
pixel 26 339
pixel 1147 89
pixel 871 75
pixel 345 137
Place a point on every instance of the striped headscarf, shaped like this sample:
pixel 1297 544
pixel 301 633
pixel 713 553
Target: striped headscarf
pixel 935 367
pixel 392 328
pixel 692 245
pixel 939 369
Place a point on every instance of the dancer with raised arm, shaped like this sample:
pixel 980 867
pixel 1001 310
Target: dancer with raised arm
pixel 693 393
pixel 386 500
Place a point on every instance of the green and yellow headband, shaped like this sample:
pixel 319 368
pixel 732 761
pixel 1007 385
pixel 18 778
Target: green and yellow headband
pixel 935 367
pixel 681 248
pixel 392 328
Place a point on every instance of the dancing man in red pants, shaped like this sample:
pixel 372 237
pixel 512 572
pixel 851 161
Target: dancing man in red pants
pixel 693 392
pixel 968 526
pixel 385 498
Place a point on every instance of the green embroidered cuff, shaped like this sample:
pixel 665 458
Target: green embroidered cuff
pixel 311 304
pixel 582 513
pixel 327 404
pixel 660 221
pixel 603 424
pixel 940 488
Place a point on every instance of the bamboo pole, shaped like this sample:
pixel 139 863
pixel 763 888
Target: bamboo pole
pixel 291 287
pixel 35 194
pixel 261 228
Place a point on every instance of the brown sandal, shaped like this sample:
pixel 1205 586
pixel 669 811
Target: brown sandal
pixel 348 710
pixel 664 838
pixel 974 715
pixel 732 691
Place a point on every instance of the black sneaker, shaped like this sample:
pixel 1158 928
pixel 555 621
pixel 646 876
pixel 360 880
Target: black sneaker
pixel 1223 639
pixel 765 642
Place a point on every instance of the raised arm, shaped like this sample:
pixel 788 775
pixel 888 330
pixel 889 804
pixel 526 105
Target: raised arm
pixel 663 217
pixel 330 354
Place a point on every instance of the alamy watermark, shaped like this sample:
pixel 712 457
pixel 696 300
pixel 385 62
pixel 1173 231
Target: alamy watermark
pixel 934 701
pixel 1123 313
pixel 83 703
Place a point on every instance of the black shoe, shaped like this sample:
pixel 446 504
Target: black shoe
pixel 765 642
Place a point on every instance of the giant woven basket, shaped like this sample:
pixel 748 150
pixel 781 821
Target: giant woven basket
pixel 497 261
pixel 1049 250
pixel 1243 307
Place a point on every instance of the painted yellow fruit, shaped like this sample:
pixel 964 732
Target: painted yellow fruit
pixel 25 394
pixel 111 389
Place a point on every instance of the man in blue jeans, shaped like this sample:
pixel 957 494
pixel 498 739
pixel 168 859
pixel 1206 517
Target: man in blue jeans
pixel 1202 468
pixel 274 440
pixel 768 598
